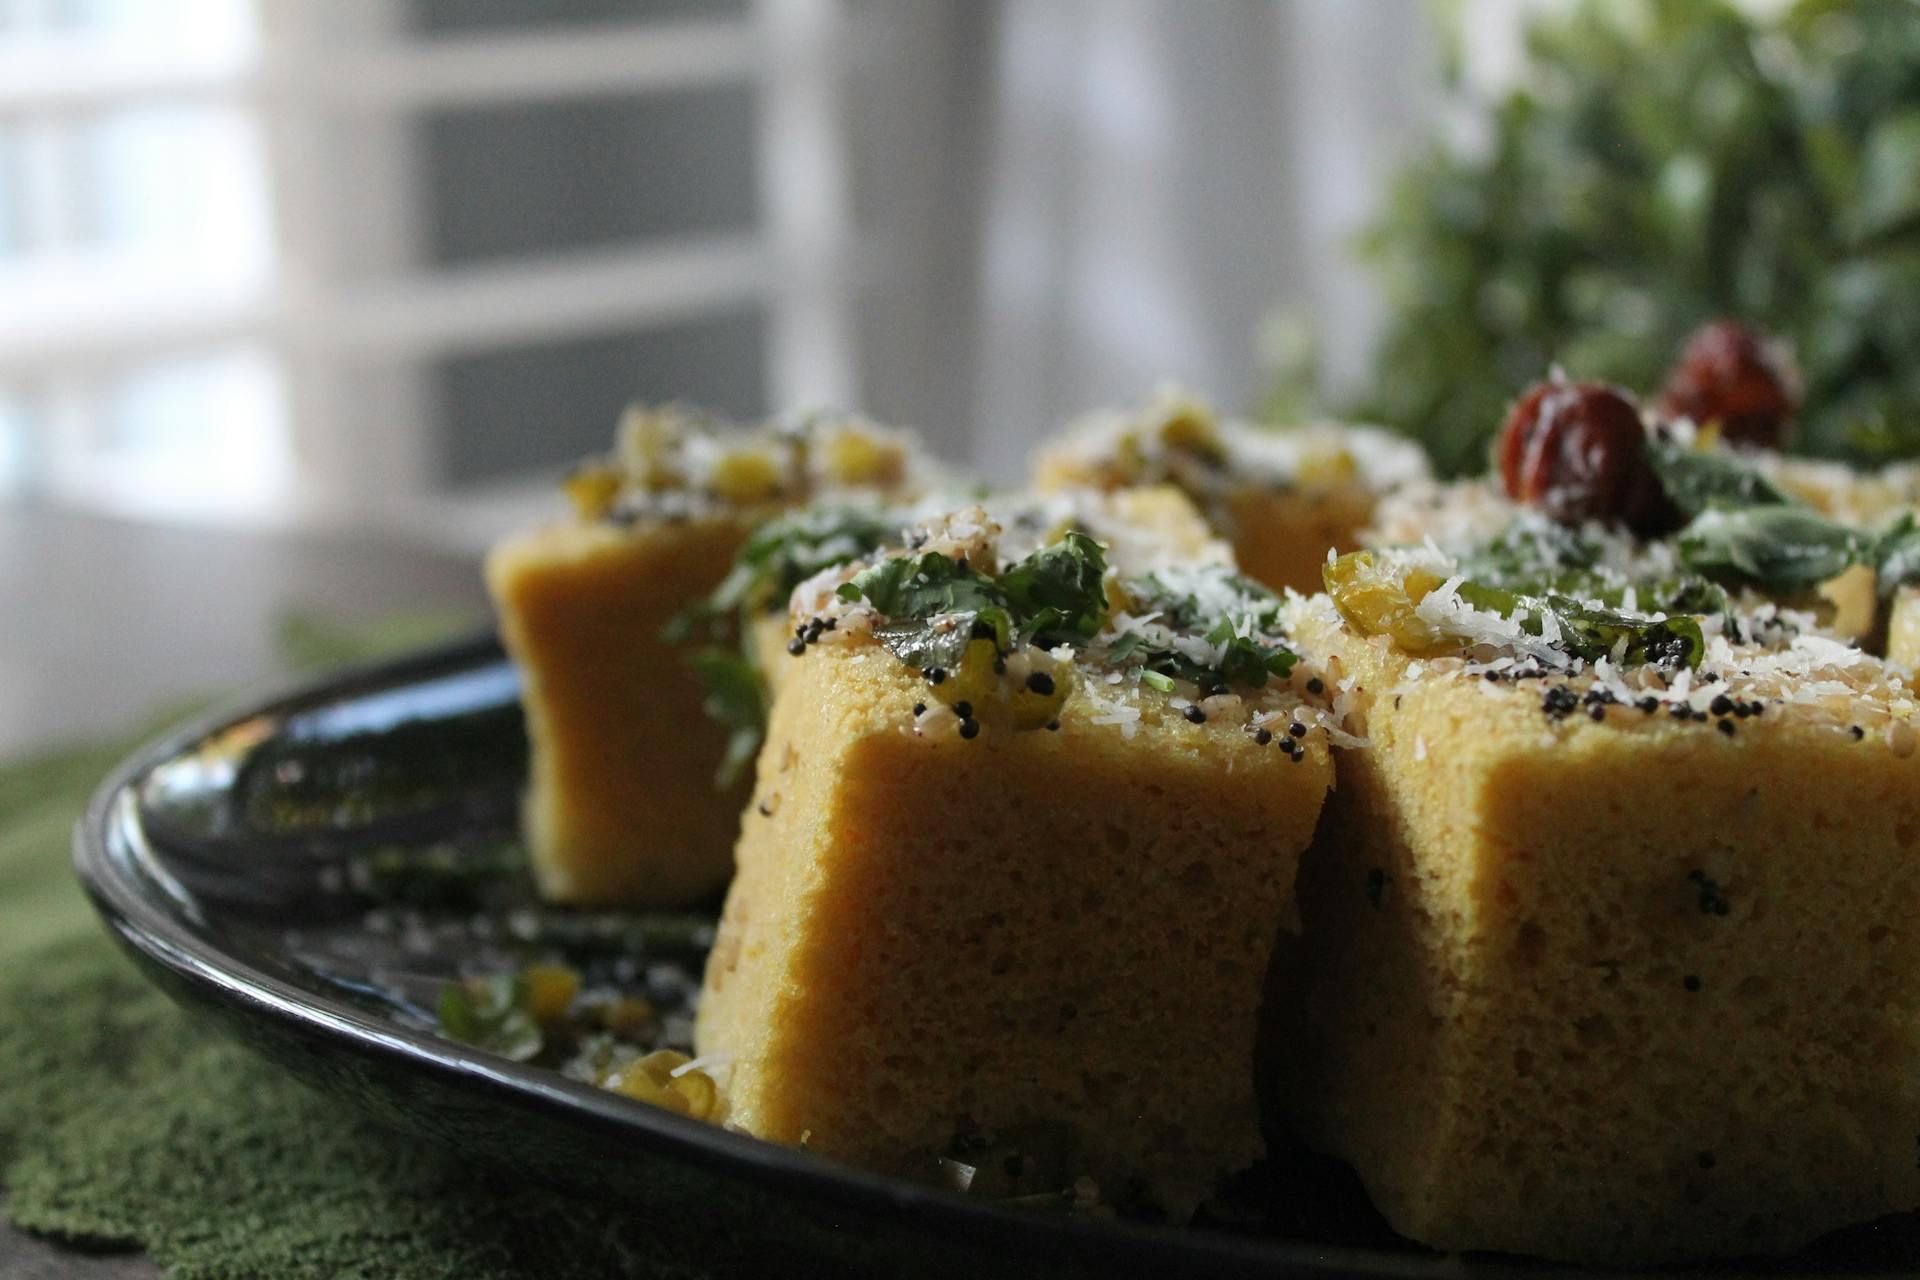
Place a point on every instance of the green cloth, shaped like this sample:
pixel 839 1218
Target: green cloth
pixel 125 1123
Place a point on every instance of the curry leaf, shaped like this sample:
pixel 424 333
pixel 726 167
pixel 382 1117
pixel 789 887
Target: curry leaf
pixel 1699 480
pixel 1780 548
pixel 1591 632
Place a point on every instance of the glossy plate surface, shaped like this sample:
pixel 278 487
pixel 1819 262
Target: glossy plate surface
pixel 262 864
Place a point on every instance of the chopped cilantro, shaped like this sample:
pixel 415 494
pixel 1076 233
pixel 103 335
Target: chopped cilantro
pixel 936 604
pixel 736 698
pixel 1247 647
pixel 781 555
pixel 1529 553
pixel 1057 592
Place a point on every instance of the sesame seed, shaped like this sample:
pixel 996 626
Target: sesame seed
pixel 963 709
pixel 1857 732
pixel 969 729
pixel 1041 683
pixel 1297 729
pixel 1316 685
pixel 1195 715
pixel 935 675
pixel 1648 705
pixel 919 709
pixel 1263 736
pixel 1691 982
pixel 1726 727
pixel 1597 711
pixel 1053 726
pixel 1721 705
pixel 796 646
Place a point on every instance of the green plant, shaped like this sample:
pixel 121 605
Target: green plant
pixel 1666 162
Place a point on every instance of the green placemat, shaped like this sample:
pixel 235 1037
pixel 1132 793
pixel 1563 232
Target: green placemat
pixel 125 1123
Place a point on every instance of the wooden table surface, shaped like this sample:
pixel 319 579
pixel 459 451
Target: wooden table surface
pixel 107 621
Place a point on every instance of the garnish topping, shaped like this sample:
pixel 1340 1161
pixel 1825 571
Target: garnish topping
pixel 1577 450
pixel 778 557
pixel 1428 613
pixel 935 604
pixel 1728 378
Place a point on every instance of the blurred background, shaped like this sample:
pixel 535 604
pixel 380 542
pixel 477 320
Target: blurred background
pixel 330 261
pixel 387 266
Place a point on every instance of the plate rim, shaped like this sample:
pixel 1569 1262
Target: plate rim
pixel 158 937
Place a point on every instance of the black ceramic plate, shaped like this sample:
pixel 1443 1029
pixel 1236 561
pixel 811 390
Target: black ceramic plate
pixel 264 866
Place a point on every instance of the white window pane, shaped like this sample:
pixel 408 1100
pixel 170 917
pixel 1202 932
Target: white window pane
pixel 194 437
pixel 218 29
pixel 175 181
pixel 13 445
pixel 12 232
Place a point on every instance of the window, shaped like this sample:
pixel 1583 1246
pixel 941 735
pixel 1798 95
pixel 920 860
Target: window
pixel 135 251
pixel 338 260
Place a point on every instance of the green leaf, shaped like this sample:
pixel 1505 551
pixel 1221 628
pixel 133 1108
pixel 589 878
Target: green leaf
pixel 1659 165
pixel 1890 178
pixel 934 604
pixel 736 698
pixel 1057 592
pixel 1897 554
pixel 923 586
pixel 1779 548
pixel 1699 480
pixel 1252 649
pixel 491 1014
pixel 779 556
pixel 1591 632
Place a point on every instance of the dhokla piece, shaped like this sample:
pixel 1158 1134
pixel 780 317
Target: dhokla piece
pixel 1281 496
pixel 1610 958
pixel 622 807
pixel 1013 850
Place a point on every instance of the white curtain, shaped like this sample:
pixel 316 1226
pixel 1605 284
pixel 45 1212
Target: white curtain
pixel 1133 190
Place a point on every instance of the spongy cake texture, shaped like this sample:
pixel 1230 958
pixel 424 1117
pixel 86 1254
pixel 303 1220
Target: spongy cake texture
pixel 621 807
pixel 1619 990
pixel 930 935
